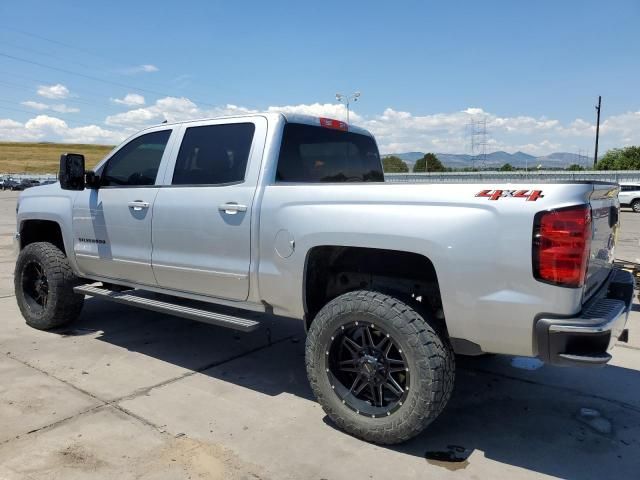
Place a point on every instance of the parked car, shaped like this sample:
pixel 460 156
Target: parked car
pixel 29 182
pixel 629 196
pixel 290 215
pixel 14 184
pixel 8 183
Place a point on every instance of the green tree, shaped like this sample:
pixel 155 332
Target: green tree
pixel 429 163
pixel 574 167
pixel 627 158
pixel 507 167
pixel 393 164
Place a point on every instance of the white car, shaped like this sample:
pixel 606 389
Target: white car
pixel 629 196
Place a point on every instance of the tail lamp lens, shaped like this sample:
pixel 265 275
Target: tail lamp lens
pixel 561 246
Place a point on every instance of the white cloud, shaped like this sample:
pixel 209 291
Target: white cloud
pixel 45 127
pixel 35 105
pixel 172 109
pixel 13 131
pixel 60 108
pixel 145 68
pixel 57 91
pixel 130 100
pixel 396 131
pixel 331 110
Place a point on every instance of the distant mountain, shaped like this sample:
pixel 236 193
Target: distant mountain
pixel 409 156
pixel 497 159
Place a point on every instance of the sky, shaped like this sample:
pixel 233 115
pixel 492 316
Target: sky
pixel 97 72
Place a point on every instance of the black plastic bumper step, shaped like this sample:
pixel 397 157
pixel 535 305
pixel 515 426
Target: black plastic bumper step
pixel 132 297
pixel 593 359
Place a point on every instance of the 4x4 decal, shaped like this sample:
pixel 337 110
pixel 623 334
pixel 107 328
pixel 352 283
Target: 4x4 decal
pixel 529 195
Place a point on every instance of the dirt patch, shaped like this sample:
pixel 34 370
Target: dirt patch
pixel 189 458
pixel 76 456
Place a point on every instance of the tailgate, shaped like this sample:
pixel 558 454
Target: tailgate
pixel 604 223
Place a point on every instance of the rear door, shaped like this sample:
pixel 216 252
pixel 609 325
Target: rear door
pixel 202 215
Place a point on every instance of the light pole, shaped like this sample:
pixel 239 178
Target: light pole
pixel 347 99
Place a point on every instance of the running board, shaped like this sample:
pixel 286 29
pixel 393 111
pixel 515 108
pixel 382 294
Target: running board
pixel 130 297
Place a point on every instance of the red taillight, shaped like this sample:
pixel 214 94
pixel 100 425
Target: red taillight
pixel 335 124
pixel 561 246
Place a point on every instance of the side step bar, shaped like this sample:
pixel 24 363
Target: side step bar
pixel 129 297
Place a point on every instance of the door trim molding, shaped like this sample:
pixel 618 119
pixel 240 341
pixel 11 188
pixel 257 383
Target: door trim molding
pixel 238 276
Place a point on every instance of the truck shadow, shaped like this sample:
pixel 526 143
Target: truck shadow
pixel 528 419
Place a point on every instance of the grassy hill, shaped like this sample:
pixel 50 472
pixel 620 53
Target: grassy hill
pixel 44 157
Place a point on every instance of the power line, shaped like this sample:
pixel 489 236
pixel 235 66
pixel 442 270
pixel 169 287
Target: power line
pixel 44 81
pixel 62 100
pixel 44 112
pixel 66 57
pixel 58 42
pixel 90 77
pixel 46 54
pixel 102 80
pixel 115 62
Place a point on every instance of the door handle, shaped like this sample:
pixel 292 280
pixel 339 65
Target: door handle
pixel 138 205
pixel 232 208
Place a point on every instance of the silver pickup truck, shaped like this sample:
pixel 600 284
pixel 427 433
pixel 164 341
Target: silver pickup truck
pixel 289 215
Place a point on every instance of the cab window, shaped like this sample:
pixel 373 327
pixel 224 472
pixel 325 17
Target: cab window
pixel 313 154
pixel 136 164
pixel 214 154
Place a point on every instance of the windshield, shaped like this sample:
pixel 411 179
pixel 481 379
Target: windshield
pixel 313 154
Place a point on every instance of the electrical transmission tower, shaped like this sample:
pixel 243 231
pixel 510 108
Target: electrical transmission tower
pixel 477 131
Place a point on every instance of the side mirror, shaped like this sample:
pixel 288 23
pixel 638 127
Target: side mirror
pixel 92 179
pixel 72 172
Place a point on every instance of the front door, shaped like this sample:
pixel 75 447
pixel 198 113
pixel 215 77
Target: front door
pixel 202 215
pixel 112 223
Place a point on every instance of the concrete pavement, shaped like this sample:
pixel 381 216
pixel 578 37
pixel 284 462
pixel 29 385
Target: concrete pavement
pixel 126 393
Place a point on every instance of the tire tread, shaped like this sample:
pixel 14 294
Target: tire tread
pixel 435 361
pixel 63 305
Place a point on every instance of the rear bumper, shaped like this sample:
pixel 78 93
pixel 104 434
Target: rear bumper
pixel 586 339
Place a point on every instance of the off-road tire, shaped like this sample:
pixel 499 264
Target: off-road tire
pixel 635 205
pixel 63 305
pixel 430 358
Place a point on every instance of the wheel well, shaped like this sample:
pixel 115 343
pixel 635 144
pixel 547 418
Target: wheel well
pixel 41 231
pixel 331 271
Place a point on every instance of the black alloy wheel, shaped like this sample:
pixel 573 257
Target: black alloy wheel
pixel 35 286
pixel 367 369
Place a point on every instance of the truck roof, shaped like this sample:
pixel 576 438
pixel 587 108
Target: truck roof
pixel 288 117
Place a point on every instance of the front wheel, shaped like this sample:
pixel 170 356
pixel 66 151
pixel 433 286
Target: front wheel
pixel 43 282
pixel 635 205
pixel 379 369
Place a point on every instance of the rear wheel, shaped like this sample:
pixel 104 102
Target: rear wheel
pixel 43 282
pixel 378 368
pixel 635 205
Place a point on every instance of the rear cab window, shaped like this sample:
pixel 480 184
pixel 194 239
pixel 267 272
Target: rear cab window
pixel 314 154
pixel 214 154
